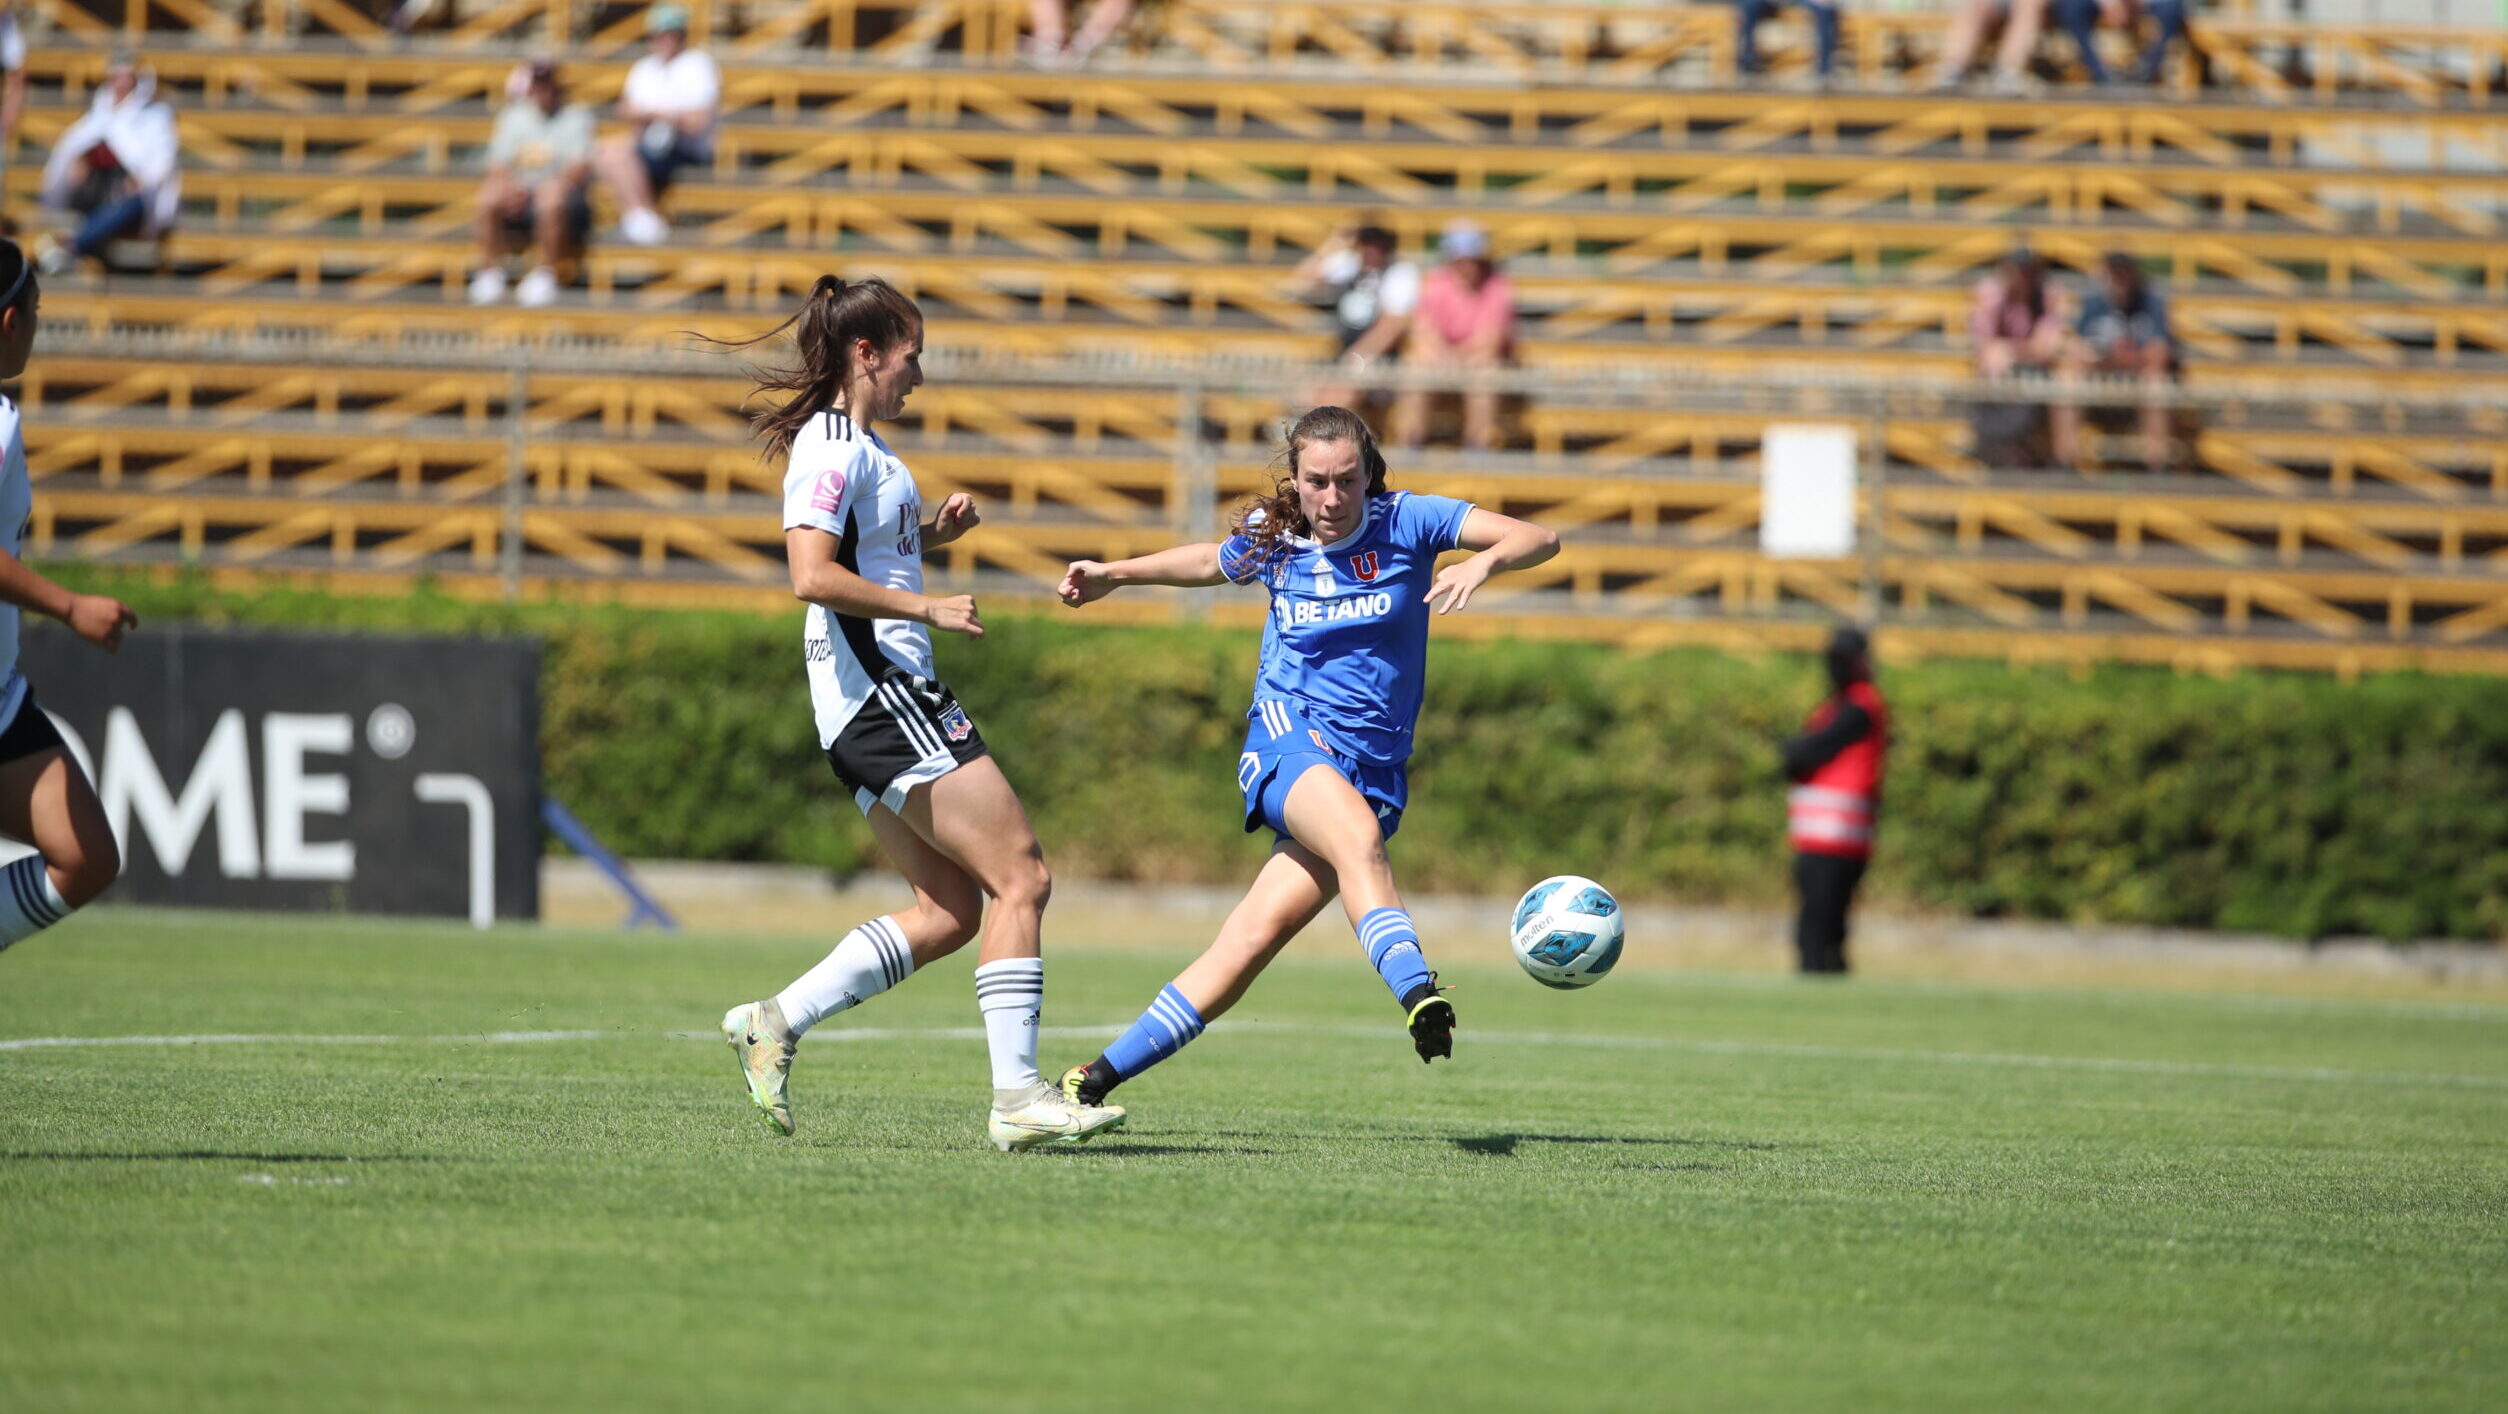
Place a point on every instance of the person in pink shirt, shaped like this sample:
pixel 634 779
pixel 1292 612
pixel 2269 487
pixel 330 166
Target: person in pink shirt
pixel 2018 326
pixel 2018 322
pixel 1465 318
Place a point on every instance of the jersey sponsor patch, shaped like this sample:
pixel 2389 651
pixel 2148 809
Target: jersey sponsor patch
pixel 954 722
pixel 829 493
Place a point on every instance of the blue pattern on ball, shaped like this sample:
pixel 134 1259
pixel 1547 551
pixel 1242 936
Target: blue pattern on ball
pixel 1608 958
pixel 1534 901
pixel 1595 902
pixel 1559 949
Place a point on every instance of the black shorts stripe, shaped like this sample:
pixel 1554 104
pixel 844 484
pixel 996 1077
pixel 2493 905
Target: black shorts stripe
pixel 919 729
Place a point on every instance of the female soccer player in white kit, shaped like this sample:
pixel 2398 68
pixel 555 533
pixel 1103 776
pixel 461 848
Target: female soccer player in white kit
pixel 45 799
pixel 855 537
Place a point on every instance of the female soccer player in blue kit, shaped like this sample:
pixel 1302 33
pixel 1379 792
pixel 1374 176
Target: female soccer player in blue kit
pixel 1349 565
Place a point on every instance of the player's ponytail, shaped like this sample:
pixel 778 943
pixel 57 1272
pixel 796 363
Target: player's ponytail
pixel 837 314
pixel 1270 520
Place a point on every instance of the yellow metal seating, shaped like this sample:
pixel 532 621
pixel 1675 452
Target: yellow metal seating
pixel 1843 233
pixel 2279 60
pixel 2308 540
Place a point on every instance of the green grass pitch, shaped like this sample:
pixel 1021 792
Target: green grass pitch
pixel 1673 1191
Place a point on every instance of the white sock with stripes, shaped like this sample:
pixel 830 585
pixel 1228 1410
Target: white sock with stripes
pixel 870 960
pixel 1011 994
pixel 28 902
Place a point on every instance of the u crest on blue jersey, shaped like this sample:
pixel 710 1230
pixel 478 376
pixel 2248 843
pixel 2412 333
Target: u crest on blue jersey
pixel 1364 566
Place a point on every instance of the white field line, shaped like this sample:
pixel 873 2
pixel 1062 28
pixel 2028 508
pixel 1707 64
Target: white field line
pixel 492 1038
pixel 1776 1049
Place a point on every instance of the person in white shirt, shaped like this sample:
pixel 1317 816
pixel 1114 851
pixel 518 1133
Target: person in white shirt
pixel 1372 292
pixel 118 167
pixel 539 158
pixel 896 737
pixel 669 108
pixel 46 800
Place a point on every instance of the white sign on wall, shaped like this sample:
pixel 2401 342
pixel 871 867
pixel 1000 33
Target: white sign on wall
pixel 1807 491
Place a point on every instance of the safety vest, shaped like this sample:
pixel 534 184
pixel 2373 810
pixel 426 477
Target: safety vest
pixel 1833 812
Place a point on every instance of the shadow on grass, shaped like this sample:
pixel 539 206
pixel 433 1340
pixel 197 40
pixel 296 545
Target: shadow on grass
pixel 1504 1145
pixel 1121 1149
pixel 218 1156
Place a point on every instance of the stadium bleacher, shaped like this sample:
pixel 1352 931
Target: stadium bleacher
pixel 295 384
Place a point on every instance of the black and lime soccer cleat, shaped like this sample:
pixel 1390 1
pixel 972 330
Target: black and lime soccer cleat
pixel 1088 1084
pixel 1432 1023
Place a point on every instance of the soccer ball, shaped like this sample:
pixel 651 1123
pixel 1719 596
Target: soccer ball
pixel 1567 931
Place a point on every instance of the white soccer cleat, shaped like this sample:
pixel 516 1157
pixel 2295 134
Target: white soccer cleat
pixel 1042 1114
pixel 538 289
pixel 488 286
pixel 764 1046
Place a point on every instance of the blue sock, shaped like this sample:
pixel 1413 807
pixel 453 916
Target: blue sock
pixel 1161 1032
pixel 1393 949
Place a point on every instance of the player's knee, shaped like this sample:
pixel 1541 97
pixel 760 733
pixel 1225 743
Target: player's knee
pixel 1361 856
pixel 89 871
pixel 950 924
pixel 1027 884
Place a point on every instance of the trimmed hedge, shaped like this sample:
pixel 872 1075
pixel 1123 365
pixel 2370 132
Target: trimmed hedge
pixel 2286 804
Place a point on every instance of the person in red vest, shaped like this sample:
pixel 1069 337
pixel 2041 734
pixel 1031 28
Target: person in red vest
pixel 1835 766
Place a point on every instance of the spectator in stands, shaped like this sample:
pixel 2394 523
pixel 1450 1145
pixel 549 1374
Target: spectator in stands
pixel 539 159
pixel 669 106
pixel 1823 28
pixel 1372 292
pixel 2122 333
pixel 13 86
pixel 1050 20
pixel 2168 20
pixel 117 167
pixel 2020 22
pixel 2016 327
pixel 2082 19
pixel 1465 320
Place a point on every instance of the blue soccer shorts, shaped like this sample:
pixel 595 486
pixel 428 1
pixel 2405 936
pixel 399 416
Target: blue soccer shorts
pixel 1280 744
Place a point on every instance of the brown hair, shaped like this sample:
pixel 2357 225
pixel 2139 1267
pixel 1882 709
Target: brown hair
pixel 1270 520
pixel 836 314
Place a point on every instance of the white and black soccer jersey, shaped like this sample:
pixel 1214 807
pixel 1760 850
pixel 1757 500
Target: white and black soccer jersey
pixel 886 722
pixel 17 507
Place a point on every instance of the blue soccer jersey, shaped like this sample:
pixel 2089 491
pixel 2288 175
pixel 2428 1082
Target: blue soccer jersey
pixel 1347 641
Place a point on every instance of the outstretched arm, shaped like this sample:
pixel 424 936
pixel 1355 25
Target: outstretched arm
pixel 99 620
pixel 818 579
pixel 1504 543
pixel 1184 567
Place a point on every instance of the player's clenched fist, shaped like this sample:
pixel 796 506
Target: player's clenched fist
pixel 955 614
pixel 956 517
pixel 1085 582
pixel 99 620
